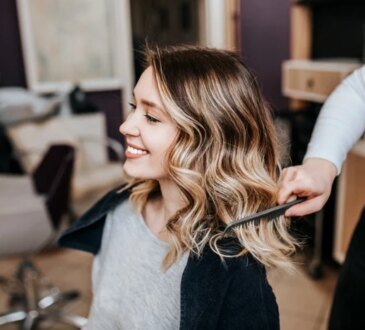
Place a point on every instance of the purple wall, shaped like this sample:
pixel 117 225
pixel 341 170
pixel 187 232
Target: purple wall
pixel 111 104
pixel 265 44
pixel 11 60
pixel 12 71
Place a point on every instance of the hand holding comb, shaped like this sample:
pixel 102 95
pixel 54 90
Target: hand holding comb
pixel 265 215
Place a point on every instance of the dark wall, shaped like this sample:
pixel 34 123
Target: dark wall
pixel 265 44
pixel 11 60
pixel 339 23
pixel 12 71
pixel 111 104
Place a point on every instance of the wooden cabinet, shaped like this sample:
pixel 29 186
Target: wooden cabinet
pixel 350 199
pixel 314 80
pixel 305 79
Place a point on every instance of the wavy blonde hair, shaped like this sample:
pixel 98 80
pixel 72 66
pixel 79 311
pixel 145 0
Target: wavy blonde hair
pixel 225 158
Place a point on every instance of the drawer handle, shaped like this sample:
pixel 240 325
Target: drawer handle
pixel 310 83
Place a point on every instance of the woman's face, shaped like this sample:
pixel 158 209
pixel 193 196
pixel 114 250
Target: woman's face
pixel 149 131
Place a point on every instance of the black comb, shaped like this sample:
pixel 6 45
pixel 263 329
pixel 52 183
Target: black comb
pixel 268 214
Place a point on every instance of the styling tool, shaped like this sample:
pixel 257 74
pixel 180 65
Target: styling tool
pixel 265 215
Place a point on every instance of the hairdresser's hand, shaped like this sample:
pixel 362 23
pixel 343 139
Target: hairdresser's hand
pixel 313 180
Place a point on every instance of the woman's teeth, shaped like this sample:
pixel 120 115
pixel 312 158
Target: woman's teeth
pixel 136 151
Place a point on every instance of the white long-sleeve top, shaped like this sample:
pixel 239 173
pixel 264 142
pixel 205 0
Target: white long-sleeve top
pixel 341 121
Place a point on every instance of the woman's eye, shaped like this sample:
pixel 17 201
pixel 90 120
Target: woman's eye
pixel 151 119
pixel 133 106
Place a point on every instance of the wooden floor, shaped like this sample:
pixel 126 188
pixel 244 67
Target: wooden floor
pixel 304 303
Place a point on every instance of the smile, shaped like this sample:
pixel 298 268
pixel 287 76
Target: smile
pixel 134 153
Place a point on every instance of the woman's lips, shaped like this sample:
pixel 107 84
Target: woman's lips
pixel 133 153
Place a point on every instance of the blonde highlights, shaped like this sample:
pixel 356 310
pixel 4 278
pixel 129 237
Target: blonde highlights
pixel 225 158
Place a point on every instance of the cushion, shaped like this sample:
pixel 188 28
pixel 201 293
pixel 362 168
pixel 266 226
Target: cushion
pixel 105 178
pixel 85 132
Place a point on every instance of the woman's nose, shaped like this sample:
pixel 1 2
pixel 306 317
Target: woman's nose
pixel 129 126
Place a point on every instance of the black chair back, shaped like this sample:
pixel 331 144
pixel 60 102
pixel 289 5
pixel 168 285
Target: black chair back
pixel 52 178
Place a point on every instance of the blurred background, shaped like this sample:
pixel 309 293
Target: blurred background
pixel 67 70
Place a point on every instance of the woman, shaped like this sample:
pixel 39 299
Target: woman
pixel 201 152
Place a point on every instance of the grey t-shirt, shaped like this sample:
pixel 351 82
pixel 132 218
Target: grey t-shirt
pixel 131 290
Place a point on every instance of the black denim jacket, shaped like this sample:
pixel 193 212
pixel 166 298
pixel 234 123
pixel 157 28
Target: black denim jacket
pixel 214 295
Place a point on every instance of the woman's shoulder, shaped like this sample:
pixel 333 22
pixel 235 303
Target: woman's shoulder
pixel 240 283
pixel 234 260
pixel 245 266
pixel 246 274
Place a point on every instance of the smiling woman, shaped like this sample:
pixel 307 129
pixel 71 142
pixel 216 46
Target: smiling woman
pixel 218 136
pixel 201 152
pixel 148 131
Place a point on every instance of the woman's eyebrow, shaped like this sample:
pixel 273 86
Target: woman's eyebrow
pixel 150 104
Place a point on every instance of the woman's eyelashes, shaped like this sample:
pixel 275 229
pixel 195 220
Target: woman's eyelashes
pixel 151 119
pixel 132 106
pixel 147 116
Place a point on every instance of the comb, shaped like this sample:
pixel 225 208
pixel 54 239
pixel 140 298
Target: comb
pixel 268 215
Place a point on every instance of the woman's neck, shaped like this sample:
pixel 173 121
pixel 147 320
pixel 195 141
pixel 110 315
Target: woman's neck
pixel 161 208
pixel 172 198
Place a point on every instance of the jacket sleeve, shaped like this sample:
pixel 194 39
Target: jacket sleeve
pixel 250 302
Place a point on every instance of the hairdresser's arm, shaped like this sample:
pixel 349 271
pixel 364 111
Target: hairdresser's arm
pixel 340 124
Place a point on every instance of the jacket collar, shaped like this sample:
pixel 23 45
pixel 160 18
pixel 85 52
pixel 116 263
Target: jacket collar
pixel 86 233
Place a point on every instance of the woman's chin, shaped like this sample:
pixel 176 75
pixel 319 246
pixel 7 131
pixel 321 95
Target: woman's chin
pixel 143 172
pixel 130 171
pixel 134 172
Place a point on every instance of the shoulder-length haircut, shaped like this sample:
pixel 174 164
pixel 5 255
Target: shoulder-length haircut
pixel 224 159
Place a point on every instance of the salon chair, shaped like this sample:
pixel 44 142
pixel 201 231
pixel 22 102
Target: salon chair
pixel 32 208
pixel 94 172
